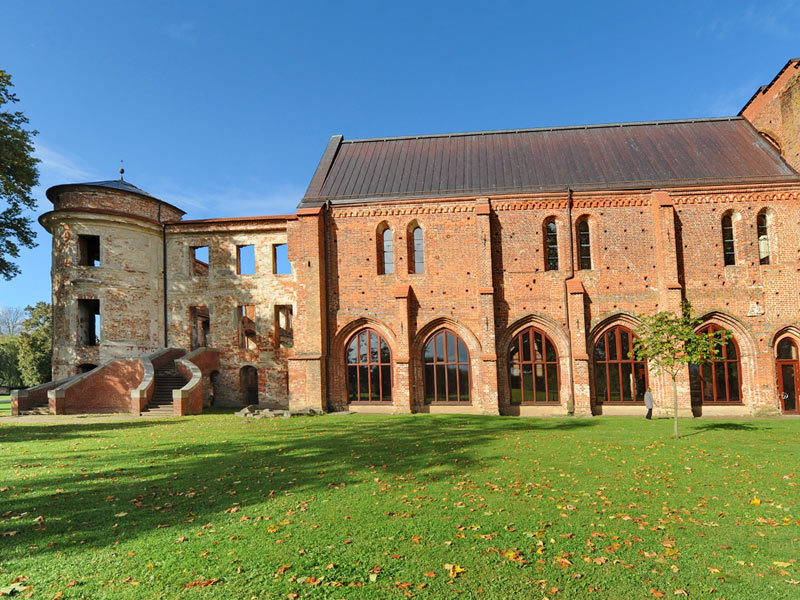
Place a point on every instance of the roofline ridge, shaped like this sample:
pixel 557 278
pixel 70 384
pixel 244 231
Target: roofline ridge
pixel 537 129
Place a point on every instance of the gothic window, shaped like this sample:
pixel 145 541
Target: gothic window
pixel 446 364
pixel 728 248
pixel 584 245
pixel 533 368
pixel 718 381
pixel 764 253
pixel 385 250
pixel 550 245
pixel 369 368
pixel 416 259
pixel 617 376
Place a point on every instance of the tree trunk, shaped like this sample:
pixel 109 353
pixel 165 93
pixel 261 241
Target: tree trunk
pixel 675 404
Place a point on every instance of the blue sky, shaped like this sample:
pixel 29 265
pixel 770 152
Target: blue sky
pixel 224 108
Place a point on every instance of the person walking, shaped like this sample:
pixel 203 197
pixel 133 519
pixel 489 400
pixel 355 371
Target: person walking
pixel 648 402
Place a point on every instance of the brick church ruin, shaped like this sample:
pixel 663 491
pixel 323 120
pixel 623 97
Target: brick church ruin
pixel 494 272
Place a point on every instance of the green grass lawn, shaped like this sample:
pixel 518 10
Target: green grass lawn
pixel 5 406
pixel 391 507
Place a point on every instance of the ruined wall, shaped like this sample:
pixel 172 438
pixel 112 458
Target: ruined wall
pixel 221 290
pixel 127 283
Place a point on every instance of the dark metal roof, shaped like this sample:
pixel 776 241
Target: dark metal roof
pixel 597 157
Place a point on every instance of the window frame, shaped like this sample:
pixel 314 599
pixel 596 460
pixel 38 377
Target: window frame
pixel 518 339
pixel 354 339
pixel 728 239
pixel 584 222
pixel 767 259
pixel 239 260
pixel 618 362
pixel 548 247
pixel 385 260
pixel 711 327
pixel 413 250
pixel 431 339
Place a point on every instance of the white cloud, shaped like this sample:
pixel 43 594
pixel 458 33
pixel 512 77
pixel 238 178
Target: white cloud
pixel 185 31
pixel 728 102
pixel 255 200
pixel 57 167
pixel 777 20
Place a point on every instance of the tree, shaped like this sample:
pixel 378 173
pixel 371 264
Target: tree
pixel 669 342
pixel 9 370
pixel 18 176
pixel 35 344
pixel 11 320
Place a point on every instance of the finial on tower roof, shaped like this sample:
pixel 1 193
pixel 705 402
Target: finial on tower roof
pixel 121 171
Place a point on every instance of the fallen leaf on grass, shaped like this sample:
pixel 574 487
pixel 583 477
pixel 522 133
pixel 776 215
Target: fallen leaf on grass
pixel 429 574
pixel 8 533
pixel 779 563
pixel 657 593
pixel 681 593
pixel 454 570
pixel 202 583
pixel 755 502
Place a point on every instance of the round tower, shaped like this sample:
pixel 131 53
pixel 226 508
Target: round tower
pixel 107 272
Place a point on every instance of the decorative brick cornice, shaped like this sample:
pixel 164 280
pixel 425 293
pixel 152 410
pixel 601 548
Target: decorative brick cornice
pixel 624 201
pixel 529 204
pixel 380 211
pixel 755 197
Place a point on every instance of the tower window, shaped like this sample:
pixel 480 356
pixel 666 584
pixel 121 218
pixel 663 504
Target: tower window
pixel 385 252
pixel 550 245
pixel 88 322
pixel 246 260
pixel 764 253
pixel 416 261
pixel 584 246
pixel 89 250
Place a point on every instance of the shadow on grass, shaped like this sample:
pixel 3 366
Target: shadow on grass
pixel 730 426
pixel 162 480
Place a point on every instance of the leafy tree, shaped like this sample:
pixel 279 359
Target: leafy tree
pixel 18 175
pixel 11 320
pixel 9 371
pixel 669 342
pixel 35 344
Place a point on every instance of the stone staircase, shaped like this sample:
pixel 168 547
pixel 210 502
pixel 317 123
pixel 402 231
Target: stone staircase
pixel 166 379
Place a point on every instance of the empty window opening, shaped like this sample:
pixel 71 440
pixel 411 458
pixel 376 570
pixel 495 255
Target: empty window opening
pixel 85 368
pixel 584 246
pixel 416 261
pixel 89 250
pixel 200 260
pixel 550 246
pixel 728 248
pixel 200 324
pixel 284 332
pixel 246 260
pixel 280 260
pixel 246 317
pixel 248 385
pixel 88 322
pixel 764 254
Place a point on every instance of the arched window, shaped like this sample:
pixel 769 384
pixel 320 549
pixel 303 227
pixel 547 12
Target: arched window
pixel 584 245
pixel 764 253
pixel 728 248
pixel 550 245
pixel 786 366
pixel 617 376
pixel 248 385
pixel 385 251
pixel 369 368
pixel 719 380
pixel 446 364
pixel 416 258
pixel 533 368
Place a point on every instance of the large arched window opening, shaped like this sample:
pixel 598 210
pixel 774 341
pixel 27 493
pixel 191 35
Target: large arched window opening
pixel 786 364
pixel 584 245
pixel 385 250
pixel 446 365
pixel 550 245
pixel 369 368
pixel 728 246
pixel 416 250
pixel 762 229
pixel 618 378
pixel 718 381
pixel 533 368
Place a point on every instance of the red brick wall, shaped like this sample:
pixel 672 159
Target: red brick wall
pixel 104 390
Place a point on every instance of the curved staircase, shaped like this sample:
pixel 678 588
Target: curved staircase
pixel 166 379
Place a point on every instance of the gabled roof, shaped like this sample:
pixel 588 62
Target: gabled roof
pixel 765 88
pixel 595 157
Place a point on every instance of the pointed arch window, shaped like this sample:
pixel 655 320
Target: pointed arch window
pixel 618 377
pixel 385 250
pixel 369 368
pixel 533 368
pixel 762 229
pixel 550 245
pixel 416 258
pixel 584 245
pixel 728 247
pixel 718 381
pixel 446 365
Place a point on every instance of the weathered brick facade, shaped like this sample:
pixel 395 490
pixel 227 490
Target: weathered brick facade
pixel 664 213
